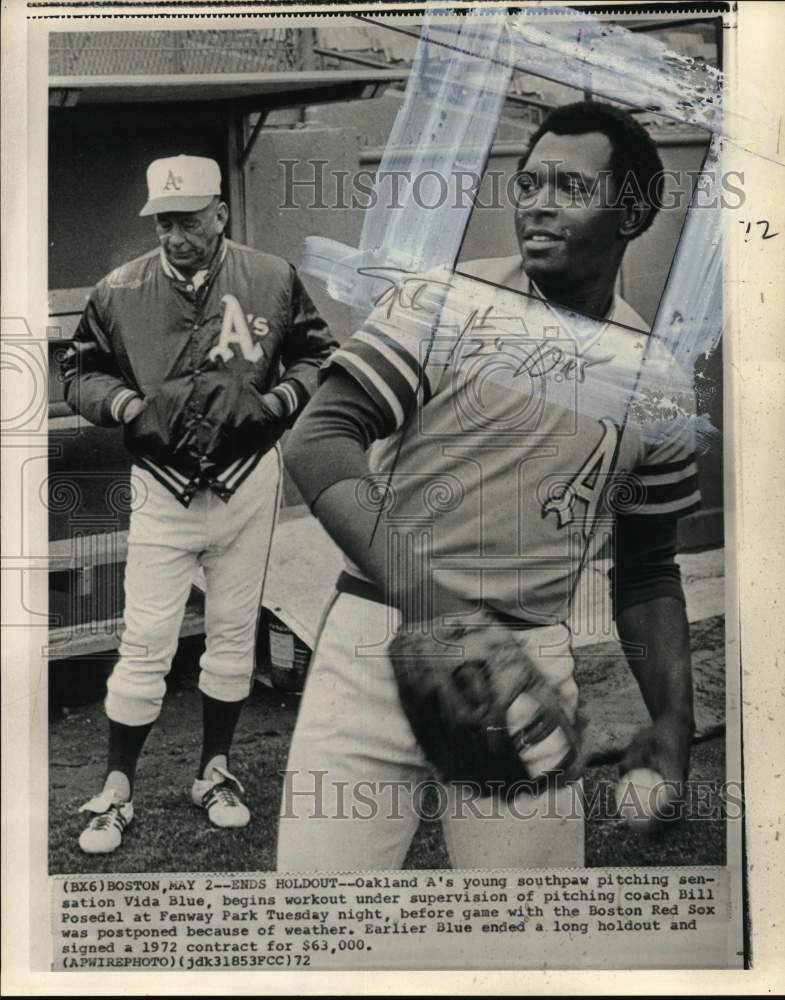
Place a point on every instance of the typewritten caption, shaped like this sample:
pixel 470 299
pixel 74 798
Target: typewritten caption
pixel 271 921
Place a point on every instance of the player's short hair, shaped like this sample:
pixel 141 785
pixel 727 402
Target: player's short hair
pixel 634 153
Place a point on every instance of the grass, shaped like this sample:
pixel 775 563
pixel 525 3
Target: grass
pixel 171 835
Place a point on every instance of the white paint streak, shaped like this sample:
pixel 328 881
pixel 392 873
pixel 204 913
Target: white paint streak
pixel 447 124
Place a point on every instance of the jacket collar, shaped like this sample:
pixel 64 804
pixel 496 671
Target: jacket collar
pixel 200 278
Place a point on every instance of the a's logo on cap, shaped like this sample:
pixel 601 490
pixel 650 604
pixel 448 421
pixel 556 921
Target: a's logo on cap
pixel 181 184
pixel 172 183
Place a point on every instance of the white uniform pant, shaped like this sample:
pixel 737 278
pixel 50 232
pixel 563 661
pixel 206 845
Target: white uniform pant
pixel 356 780
pixel 166 544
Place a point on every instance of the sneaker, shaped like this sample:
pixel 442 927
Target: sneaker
pixel 104 833
pixel 219 796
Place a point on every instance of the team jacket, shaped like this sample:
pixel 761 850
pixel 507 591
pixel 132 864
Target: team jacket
pixel 202 353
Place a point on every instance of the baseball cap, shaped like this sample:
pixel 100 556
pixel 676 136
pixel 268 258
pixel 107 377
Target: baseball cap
pixel 181 184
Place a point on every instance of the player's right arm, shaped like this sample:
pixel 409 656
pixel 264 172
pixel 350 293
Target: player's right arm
pixel 370 389
pixel 94 385
pixel 326 456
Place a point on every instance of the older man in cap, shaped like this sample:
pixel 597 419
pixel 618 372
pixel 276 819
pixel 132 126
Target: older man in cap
pixel 184 346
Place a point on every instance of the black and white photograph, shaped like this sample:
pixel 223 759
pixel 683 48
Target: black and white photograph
pixel 379 511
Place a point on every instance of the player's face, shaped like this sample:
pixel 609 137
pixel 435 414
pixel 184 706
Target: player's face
pixel 189 239
pixel 568 232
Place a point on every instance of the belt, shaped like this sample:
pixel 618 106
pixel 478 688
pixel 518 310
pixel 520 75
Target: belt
pixel 367 591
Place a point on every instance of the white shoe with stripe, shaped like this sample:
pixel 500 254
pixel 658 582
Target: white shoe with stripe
pixel 220 796
pixel 104 833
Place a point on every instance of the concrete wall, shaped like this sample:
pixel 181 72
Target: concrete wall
pixel 279 217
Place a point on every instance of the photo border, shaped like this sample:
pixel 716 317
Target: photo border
pixel 755 410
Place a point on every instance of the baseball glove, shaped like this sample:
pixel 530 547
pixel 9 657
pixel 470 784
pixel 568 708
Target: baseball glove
pixel 481 710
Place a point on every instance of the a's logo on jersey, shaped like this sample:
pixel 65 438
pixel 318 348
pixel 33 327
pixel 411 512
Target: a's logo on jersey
pixel 587 484
pixel 234 330
pixel 173 182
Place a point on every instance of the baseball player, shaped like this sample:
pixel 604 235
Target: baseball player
pixel 183 347
pixel 507 437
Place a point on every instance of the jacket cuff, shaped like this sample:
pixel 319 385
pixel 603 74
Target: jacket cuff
pixel 118 402
pixel 292 396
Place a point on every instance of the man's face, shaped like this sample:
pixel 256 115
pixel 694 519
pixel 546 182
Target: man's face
pixel 189 239
pixel 567 235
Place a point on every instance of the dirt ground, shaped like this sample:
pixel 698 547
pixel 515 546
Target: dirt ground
pixel 171 835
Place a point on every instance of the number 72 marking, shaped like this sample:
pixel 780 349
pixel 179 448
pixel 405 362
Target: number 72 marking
pixel 766 235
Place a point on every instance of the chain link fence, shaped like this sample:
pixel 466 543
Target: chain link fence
pixel 137 53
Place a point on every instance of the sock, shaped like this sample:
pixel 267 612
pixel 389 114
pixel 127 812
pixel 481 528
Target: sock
pixel 125 746
pixel 119 784
pixel 219 719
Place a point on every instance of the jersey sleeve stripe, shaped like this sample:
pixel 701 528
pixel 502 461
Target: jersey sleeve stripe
pixel 665 492
pixel 686 505
pixel 398 354
pixel 404 366
pixel 373 384
pixel 660 478
pixel 395 381
pixel 665 467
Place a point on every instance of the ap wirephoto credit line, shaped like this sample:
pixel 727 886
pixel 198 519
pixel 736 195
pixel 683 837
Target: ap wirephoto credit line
pixel 377 457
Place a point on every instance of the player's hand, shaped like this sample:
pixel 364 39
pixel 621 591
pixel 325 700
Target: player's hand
pixel 663 747
pixel 650 792
pixel 133 409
